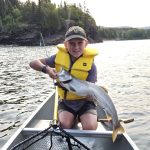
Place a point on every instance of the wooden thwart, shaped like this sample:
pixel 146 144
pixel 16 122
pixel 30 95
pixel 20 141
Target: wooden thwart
pixel 120 120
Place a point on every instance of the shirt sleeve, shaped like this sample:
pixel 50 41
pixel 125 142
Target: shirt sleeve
pixel 92 77
pixel 50 61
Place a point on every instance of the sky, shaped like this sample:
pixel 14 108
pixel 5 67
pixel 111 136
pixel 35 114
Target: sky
pixel 116 13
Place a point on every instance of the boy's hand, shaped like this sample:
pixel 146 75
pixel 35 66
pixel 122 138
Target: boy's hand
pixel 51 72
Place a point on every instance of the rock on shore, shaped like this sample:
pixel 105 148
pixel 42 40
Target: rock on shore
pixel 30 39
pixel 29 36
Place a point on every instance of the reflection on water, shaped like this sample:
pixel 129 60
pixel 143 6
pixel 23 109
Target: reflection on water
pixel 122 65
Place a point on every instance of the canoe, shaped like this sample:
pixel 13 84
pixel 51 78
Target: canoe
pixel 39 121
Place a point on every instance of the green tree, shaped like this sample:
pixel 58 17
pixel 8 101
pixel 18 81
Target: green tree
pixel 16 15
pixel 9 23
pixel 48 17
pixel 1 25
pixel 2 8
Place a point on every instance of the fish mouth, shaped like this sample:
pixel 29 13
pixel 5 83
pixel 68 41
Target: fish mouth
pixel 65 81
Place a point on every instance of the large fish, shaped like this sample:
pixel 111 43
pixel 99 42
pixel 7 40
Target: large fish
pixel 98 95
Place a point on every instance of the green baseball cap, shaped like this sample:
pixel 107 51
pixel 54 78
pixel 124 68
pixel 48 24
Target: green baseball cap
pixel 75 32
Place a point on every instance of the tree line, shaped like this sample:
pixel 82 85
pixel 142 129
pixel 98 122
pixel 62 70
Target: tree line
pixel 124 33
pixel 55 19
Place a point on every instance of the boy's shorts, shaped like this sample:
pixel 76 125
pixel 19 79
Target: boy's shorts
pixel 77 107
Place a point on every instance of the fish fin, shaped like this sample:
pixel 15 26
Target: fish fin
pixel 115 132
pixel 121 129
pixel 109 118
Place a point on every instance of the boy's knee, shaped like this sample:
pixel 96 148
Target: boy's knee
pixel 65 124
pixel 90 126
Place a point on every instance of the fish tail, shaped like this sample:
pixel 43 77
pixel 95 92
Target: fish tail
pixel 116 130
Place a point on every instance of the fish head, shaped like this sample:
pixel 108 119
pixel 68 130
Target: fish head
pixel 72 84
pixel 64 76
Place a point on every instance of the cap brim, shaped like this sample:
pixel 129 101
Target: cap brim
pixel 75 37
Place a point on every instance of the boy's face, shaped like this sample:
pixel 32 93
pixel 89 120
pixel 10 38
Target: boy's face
pixel 75 47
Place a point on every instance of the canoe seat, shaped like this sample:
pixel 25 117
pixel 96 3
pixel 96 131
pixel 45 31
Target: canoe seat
pixel 43 124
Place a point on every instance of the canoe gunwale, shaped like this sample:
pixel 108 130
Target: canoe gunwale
pixel 130 141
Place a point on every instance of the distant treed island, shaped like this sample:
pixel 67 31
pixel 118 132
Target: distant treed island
pixel 25 24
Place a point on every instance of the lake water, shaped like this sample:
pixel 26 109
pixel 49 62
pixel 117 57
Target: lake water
pixel 123 66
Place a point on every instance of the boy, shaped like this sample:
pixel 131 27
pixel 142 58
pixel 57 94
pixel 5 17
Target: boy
pixel 75 57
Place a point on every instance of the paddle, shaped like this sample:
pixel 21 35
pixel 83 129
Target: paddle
pixel 55 115
pixel 120 120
